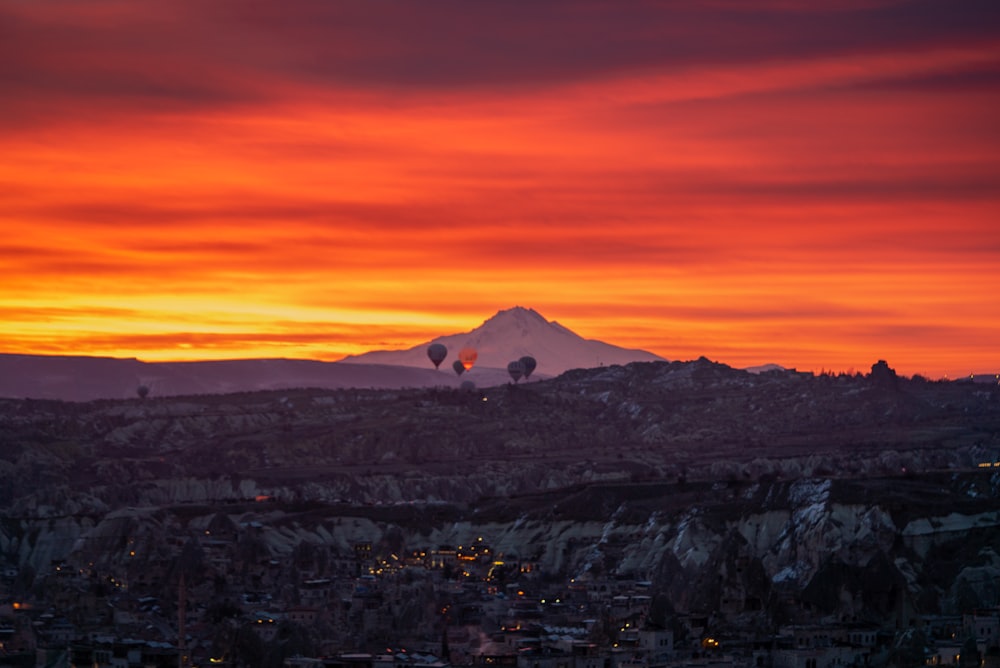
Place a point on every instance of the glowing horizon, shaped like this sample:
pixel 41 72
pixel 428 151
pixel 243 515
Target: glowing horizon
pixel 754 183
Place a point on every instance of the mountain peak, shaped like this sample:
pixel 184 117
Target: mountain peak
pixel 518 314
pixel 511 334
pixel 517 321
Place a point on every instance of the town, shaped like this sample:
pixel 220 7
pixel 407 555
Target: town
pixel 212 595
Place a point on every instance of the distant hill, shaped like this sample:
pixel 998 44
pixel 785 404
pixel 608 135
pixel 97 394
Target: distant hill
pixel 89 378
pixel 765 368
pixel 510 335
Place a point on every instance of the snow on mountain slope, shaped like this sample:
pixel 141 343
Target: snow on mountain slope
pixel 509 335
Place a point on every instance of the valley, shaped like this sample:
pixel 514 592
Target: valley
pixel 719 503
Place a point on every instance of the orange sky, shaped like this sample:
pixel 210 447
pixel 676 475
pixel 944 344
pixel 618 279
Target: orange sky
pixel 753 182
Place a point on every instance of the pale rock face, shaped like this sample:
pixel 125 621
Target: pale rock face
pixel 693 543
pixel 791 541
pixel 924 533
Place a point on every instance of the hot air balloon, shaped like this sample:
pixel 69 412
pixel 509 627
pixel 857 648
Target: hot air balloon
pixel 142 391
pixel 437 352
pixel 458 367
pixel 515 369
pixel 529 365
pixel 467 386
pixel 467 356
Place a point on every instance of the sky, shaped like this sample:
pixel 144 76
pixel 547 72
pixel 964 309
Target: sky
pixel 772 181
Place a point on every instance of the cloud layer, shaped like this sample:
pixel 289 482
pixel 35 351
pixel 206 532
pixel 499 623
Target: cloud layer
pixel 755 182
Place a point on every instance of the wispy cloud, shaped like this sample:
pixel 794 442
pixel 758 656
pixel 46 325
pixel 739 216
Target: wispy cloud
pixel 758 182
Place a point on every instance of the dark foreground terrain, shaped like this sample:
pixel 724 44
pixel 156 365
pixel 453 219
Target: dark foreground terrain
pixel 688 497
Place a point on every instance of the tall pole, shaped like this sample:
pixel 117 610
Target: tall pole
pixel 182 659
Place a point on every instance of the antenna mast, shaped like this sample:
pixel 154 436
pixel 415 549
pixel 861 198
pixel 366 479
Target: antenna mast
pixel 182 658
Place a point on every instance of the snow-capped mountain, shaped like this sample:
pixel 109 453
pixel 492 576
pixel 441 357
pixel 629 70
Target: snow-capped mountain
pixel 510 335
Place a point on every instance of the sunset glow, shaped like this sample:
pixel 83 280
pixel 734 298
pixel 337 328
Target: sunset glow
pixel 781 184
